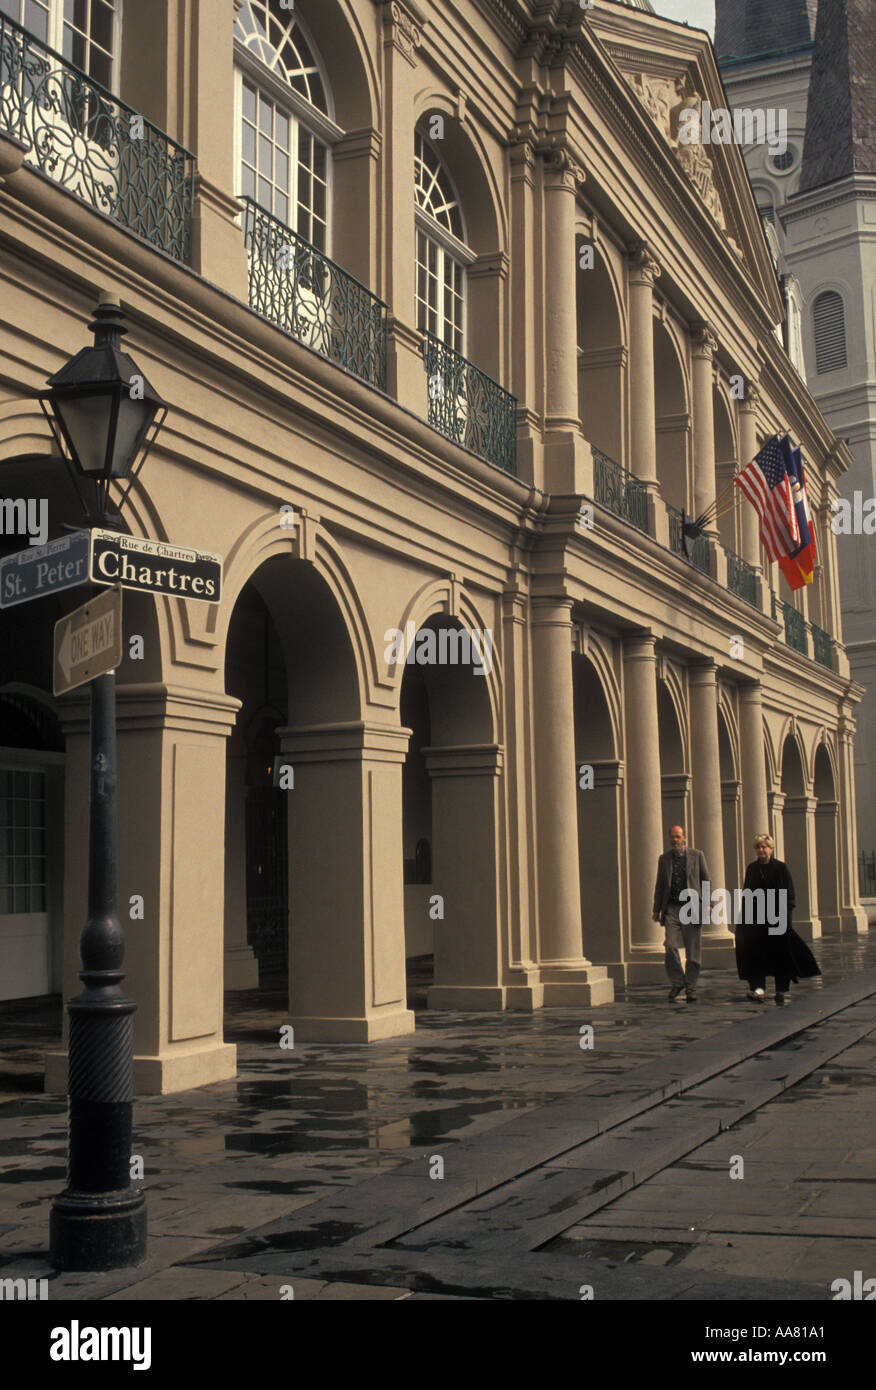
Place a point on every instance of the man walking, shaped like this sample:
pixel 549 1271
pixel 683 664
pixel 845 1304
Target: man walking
pixel 678 869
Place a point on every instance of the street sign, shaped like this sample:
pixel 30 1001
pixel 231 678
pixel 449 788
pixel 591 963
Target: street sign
pixel 88 642
pixel 153 566
pixel 44 569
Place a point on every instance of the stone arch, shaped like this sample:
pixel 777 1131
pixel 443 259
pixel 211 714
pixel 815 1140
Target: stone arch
pixel 452 830
pixel 25 435
pixel 798 831
pixel 731 791
pixel 600 803
pixel 672 416
pixel 674 773
pixel 602 355
pixel 343 49
pixel 827 842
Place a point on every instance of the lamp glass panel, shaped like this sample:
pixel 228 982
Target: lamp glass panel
pixel 135 418
pixel 86 419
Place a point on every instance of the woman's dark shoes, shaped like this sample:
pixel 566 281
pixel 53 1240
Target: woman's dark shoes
pixel 782 999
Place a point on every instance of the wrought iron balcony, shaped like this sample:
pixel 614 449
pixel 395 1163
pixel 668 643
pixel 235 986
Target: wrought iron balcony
pixel 822 646
pixel 619 491
pixel 795 625
pixel 94 145
pixel 299 289
pixel 741 577
pixel 470 407
pixel 701 551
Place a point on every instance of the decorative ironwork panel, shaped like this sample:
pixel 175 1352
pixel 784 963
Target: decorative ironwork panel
pixel 299 289
pixel 867 873
pixel 93 144
pixel 468 406
pixel 822 646
pixel 619 491
pixel 741 577
pixel 676 542
pixel 701 554
pixel 795 628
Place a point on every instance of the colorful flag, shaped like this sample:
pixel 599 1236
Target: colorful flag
pixel 767 483
pixel 798 567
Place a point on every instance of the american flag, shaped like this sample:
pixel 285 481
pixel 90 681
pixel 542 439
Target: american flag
pixel 766 482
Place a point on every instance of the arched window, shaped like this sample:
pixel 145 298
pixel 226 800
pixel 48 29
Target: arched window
pixel 441 251
pixel 829 324
pixel 285 124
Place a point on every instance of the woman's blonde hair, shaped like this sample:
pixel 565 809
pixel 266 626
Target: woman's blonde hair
pixel 764 840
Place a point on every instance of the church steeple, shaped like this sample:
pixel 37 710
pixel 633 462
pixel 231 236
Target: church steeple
pixel 840 126
pixel 748 28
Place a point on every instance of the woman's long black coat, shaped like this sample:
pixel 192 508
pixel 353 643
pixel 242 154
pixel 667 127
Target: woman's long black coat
pixel 757 952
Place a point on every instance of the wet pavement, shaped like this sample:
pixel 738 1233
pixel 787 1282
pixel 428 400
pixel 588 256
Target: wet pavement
pixel 352 1131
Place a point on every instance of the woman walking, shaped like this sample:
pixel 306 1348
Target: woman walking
pixel 759 953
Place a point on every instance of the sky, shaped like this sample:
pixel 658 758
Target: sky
pixel 699 14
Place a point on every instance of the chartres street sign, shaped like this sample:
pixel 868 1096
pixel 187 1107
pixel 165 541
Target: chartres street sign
pixel 44 569
pixel 88 642
pixel 154 566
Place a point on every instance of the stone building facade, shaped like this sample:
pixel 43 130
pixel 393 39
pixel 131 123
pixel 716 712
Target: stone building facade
pixel 442 280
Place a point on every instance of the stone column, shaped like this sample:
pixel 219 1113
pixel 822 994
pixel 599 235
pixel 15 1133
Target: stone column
pixel 563 460
pixel 854 918
pixel 568 977
pixel 171 824
pixel 524 243
pixel 799 855
pixel 465 873
pixel 747 451
pixel 643 273
pixel 755 815
pixel 644 802
pixel 704 345
pixel 346 896
pixel 708 823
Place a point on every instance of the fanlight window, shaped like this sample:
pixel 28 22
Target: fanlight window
pixel 284 165
pixel 440 294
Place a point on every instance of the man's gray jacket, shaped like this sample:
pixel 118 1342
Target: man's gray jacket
pixel 697 874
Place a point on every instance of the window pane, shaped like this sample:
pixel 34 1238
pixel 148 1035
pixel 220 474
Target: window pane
pixel 102 25
pixel 264 164
pixel 264 115
pixel 265 194
pixel 36 19
pixel 249 143
pixel 248 183
pixel 281 169
pixel 282 207
pixel 249 103
pixel 281 134
pixel 100 67
pixel 19 900
pixel 5 899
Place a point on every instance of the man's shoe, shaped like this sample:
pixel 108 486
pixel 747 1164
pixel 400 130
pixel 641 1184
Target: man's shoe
pixel 691 996
pixel 674 994
pixel 757 995
pixel 782 999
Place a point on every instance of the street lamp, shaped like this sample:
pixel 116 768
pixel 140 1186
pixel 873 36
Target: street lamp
pixel 103 409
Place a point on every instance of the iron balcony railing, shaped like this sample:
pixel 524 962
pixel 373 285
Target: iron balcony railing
pixel 822 646
pixel 297 287
pixel 468 406
pixel 867 873
pixel 741 577
pixel 795 625
pixel 619 491
pixel 701 552
pixel 94 145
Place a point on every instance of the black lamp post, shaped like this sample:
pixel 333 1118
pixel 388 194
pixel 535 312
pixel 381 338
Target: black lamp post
pixel 102 409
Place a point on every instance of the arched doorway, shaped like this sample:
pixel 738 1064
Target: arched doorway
pixel 826 841
pixel 600 818
pixel 601 357
pixel 674 777
pixel 798 836
pixel 451 820
pixel 731 808
pixel 672 419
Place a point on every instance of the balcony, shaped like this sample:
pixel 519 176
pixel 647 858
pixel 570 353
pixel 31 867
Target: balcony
pixel 701 553
pixel 795 625
pixel 822 646
pixel 741 577
pixel 619 491
pixel 93 145
pixel 469 407
pixel 305 294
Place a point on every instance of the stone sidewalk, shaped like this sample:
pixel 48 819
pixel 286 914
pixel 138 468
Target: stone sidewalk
pixel 228 1165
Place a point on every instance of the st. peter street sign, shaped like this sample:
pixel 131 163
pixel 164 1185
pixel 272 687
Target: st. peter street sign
pixel 88 642
pixel 135 563
pixel 44 569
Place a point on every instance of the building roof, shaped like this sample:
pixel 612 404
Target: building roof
pixel 755 28
pixel 841 110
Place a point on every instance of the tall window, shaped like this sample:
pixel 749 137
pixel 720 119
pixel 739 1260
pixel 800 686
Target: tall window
pixel 82 30
pixel 829 325
pixel 22 841
pixel 284 120
pixel 441 250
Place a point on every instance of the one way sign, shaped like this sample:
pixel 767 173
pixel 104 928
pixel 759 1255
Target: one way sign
pixel 88 642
